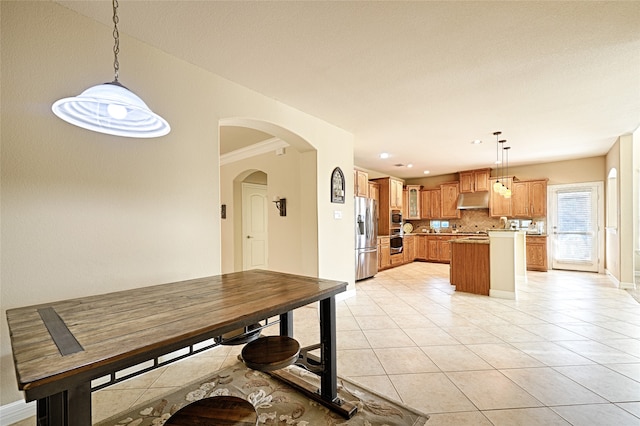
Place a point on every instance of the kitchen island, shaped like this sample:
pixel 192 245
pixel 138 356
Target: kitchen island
pixel 469 270
pixel 491 266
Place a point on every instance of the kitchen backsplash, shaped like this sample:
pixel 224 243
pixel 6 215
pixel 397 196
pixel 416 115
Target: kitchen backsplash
pixel 471 221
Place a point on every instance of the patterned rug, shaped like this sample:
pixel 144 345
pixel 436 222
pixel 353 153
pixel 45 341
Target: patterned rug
pixel 275 402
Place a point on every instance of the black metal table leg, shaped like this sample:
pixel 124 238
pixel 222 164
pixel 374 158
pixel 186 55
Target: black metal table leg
pixel 328 377
pixel 67 408
pixel 286 324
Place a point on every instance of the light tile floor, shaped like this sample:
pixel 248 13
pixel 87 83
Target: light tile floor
pixel 566 352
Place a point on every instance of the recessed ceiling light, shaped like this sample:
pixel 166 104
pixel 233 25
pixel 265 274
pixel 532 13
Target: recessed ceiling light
pixel 476 142
pixel 384 155
pixel 409 165
pixel 426 172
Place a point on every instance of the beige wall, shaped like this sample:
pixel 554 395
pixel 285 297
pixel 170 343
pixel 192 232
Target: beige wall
pixel 85 213
pixel 620 239
pixel 636 202
pixel 590 169
pixel 286 246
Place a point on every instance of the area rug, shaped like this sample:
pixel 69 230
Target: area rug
pixel 276 402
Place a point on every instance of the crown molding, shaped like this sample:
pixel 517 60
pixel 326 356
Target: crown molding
pixel 259 148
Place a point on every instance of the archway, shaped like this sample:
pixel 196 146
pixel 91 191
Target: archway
pixel 289 173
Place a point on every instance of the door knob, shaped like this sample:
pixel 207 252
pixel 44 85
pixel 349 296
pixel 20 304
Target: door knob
pixel 249 236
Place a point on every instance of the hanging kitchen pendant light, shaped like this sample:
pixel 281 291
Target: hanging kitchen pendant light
pixel 496 185
pixel 110 107
pixel 502 187
pixel 507 191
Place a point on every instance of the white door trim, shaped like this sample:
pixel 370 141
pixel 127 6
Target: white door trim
pixel 599 187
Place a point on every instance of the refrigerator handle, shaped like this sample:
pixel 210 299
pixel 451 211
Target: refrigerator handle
pixel 360 224
pixel 368 219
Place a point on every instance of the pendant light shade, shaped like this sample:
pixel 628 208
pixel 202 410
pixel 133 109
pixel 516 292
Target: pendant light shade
pixel 113 109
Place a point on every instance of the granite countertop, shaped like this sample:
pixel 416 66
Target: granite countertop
pixel 472 240
pixel 445 233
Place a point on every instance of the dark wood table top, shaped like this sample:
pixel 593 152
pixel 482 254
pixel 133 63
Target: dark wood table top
pixel 113 330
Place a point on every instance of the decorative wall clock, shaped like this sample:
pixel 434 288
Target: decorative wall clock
pixel 337 186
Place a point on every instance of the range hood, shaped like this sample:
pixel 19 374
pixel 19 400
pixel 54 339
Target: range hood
pixel 473 200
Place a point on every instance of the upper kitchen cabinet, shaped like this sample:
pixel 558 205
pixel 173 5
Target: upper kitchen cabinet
pixel 529 198
pixel 413 201
pixel 374 191
pixel 361 182
pixel 430 204
pixel 498 205
pixel 474 180
pixel 449 200
pixel 389 198
pixel 395 199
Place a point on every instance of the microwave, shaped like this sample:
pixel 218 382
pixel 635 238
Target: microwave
pixel 396 218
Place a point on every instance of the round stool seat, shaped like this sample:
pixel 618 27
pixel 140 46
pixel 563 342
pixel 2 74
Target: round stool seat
pixel 217 410
pixel 271 353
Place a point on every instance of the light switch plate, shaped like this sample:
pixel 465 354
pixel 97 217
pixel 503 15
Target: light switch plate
pixel 337 214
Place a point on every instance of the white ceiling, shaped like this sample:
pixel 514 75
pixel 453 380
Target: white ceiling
pixel 419 80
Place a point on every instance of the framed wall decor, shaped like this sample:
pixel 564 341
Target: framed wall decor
pixel 337 186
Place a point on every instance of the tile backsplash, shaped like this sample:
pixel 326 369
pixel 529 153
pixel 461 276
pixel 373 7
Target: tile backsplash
pixel 470 221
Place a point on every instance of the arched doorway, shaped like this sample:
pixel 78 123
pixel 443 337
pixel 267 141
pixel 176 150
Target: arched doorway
pixel 288 165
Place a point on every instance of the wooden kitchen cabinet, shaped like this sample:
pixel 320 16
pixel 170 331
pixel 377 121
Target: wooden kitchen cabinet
pixel 389 189
pixel 374 191
pixel 430 204
pixel 537 253
pixel 449 200
pixel 529 198
pixel 396 193
pixel 413 202
pixel 384 253
pixel 474 180
pixel 469 270
pixel 361 183
pixel 498 205
pixel 421 247
pixel 409 248
pixel 438 248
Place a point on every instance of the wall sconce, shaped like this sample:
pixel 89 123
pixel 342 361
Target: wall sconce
pixel 281 205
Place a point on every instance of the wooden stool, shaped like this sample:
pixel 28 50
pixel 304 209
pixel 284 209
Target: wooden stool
pixel 271 353
pixel 218 411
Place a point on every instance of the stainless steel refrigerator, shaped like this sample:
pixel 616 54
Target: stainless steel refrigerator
pixel 366 238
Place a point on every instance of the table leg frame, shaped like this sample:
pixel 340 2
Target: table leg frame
pixel 69 408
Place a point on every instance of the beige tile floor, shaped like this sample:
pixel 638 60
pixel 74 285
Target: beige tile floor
pixel 566 352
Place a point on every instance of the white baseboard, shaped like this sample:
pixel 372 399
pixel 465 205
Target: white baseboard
pixel 345 295
pixel 502 294
pixel 627 286
pixel 16 411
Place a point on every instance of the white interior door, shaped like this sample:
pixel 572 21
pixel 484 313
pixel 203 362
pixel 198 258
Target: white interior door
pixel 575 227
pixel 255 252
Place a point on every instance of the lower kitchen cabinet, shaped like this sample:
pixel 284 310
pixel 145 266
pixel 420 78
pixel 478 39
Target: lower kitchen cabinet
pixel 438 248
pixel 537 253
pixel 384 253
pixel 409 248
pixel 397 259
pixel 421 247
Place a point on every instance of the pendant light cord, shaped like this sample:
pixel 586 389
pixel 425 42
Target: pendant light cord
pixel 116 38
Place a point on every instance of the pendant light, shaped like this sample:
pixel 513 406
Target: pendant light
pixel 496 185
pixel 502 188
pixel 507 191
pixel 111 108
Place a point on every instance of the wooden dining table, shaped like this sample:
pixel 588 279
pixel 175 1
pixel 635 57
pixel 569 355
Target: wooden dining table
pixel 61 349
